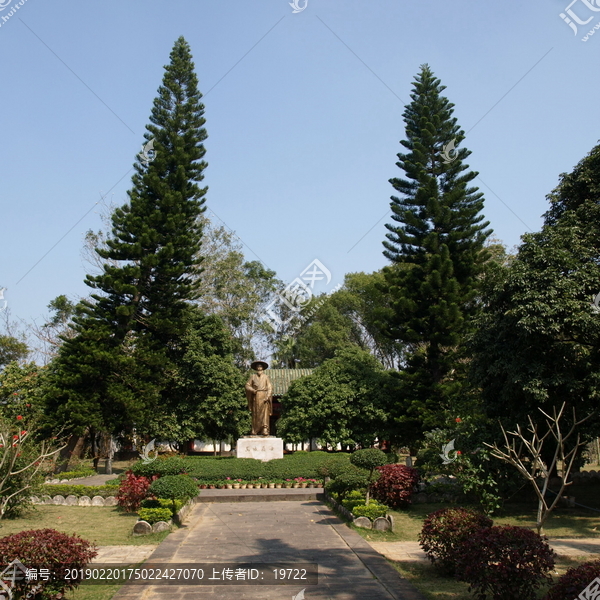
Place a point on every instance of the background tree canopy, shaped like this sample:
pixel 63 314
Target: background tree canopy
pixel 342 402
pixel 538 338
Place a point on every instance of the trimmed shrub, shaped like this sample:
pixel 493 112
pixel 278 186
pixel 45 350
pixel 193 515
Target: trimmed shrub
pixel 132 491
pixel 355 498
pixel 505 563
pixel 445 530
pixel 48 549
pixel 65 489
pixel 174 487
pixel 374 510
pixel 79 473
pixel 162 503
pixel 289 467
pixel 161 467
pixel 333 466
pixel 154 515
pixel 395 485
pixel 350 479
pixel 369 458
pixel 574 581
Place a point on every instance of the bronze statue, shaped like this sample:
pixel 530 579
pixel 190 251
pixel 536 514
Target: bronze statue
pixel 259 393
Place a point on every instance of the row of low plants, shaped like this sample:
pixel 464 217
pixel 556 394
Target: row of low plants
pixel 498 562
pixel 229 483
pixel 65 489
pixel 300 464
pixel 76 474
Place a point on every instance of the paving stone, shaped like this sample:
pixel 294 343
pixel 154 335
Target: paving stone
pixel 278 532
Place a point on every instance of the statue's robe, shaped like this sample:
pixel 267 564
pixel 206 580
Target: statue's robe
pixel 259 393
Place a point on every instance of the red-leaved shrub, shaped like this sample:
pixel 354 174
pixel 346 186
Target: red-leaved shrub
pixel 505 563
pixel 60 554
pixel 133 489
pixel 395 485
pixel 445 530
pixel 574 581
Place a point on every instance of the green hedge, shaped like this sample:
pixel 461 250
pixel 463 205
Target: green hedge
pixel 305 465
pixel 162 503
pixel 66 489
pixel 154 515
pixel 170 465
pixel 75 474
pixel 374 510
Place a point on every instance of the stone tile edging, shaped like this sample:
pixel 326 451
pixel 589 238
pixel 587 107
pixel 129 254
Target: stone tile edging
pixel 380 523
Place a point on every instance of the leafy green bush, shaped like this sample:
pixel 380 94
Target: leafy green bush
pixel 305 465
pixel 66 489
pixel 162 503
pixel 354 498
pixel 78 474
pixel 174 487
pixel 350 479
pixel 332 466
pixel 161 467
pixel 374 510
pixel 369 459
pixel 154 515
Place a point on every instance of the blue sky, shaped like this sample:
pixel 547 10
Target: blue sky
pixel 304 117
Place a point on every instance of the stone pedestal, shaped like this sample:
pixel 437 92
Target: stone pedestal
pixel 260 447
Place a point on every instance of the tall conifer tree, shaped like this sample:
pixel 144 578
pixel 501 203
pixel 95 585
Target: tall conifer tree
pixel 436 246
pixel 115 371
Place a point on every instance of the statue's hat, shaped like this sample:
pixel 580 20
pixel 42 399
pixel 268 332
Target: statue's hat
pixel 259 362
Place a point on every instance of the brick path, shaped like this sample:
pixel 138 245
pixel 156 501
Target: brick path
pixel 255 532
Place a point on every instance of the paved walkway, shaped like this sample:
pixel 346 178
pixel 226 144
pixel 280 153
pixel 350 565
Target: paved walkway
pixel 92 480
pixel 123 554
pixel 411 551
pixel 233 534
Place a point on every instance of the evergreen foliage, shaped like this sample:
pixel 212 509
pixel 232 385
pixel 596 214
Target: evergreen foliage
pixel 116 370
pixel 342 402
pixel 436 245
pixel 538 339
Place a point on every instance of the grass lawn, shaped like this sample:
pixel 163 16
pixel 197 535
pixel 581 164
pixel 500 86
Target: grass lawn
pixel 563 522
pixel 103 525
pixel 437 587
pixel 93 592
